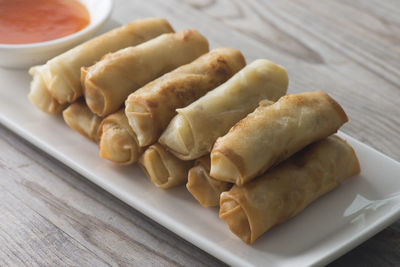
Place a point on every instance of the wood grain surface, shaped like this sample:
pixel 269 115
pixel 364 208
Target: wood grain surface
pixel 50 215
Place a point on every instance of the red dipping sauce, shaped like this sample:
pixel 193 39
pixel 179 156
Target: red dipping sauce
pixel 33 21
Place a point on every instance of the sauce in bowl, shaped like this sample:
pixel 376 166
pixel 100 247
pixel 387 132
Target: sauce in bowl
pixel 33 21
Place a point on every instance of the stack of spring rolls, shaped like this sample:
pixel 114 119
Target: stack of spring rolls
pixel 202 118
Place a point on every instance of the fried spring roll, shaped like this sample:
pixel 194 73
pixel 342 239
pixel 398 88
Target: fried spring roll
pixel 205 189
pixel 109 82
pixel 162 168
pixel 150 109
pixel 61 75
pixel 288 188
pixel 193 131
pixel 273 133
pixel 118 143
pixel 79 117
pixel 40 96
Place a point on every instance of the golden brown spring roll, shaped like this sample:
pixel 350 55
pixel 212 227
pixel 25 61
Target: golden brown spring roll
pixel 288 188
pixel 118 143
pixel 40 96
pixel 150 109
pixel 273 133
pixel 108 83
pixel 192 132
pixel 162 168
pixel 61 75
pixel 205 189
pixel 79 117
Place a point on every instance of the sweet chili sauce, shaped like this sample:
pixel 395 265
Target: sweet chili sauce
pixel 32 21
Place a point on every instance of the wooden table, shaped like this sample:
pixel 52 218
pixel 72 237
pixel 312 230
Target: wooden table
pixel 348 48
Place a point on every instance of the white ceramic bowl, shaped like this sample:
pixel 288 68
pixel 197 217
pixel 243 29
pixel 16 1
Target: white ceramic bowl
pixel 27 55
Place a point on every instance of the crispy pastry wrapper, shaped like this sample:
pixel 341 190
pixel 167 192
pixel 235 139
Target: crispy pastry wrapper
pixel 118 143
pixel 193 131
pixel 162 168
pixel 109 82
pixel 205 189
pixel 288 188
pixel 273 133
pixel 39 96
pixel 79 117
pixel 150 109
pixel 61 75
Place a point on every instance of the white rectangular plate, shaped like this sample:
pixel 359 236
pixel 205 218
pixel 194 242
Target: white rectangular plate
pixel 331 226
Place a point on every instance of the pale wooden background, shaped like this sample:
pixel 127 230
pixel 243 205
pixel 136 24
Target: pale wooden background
pixel 350 48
